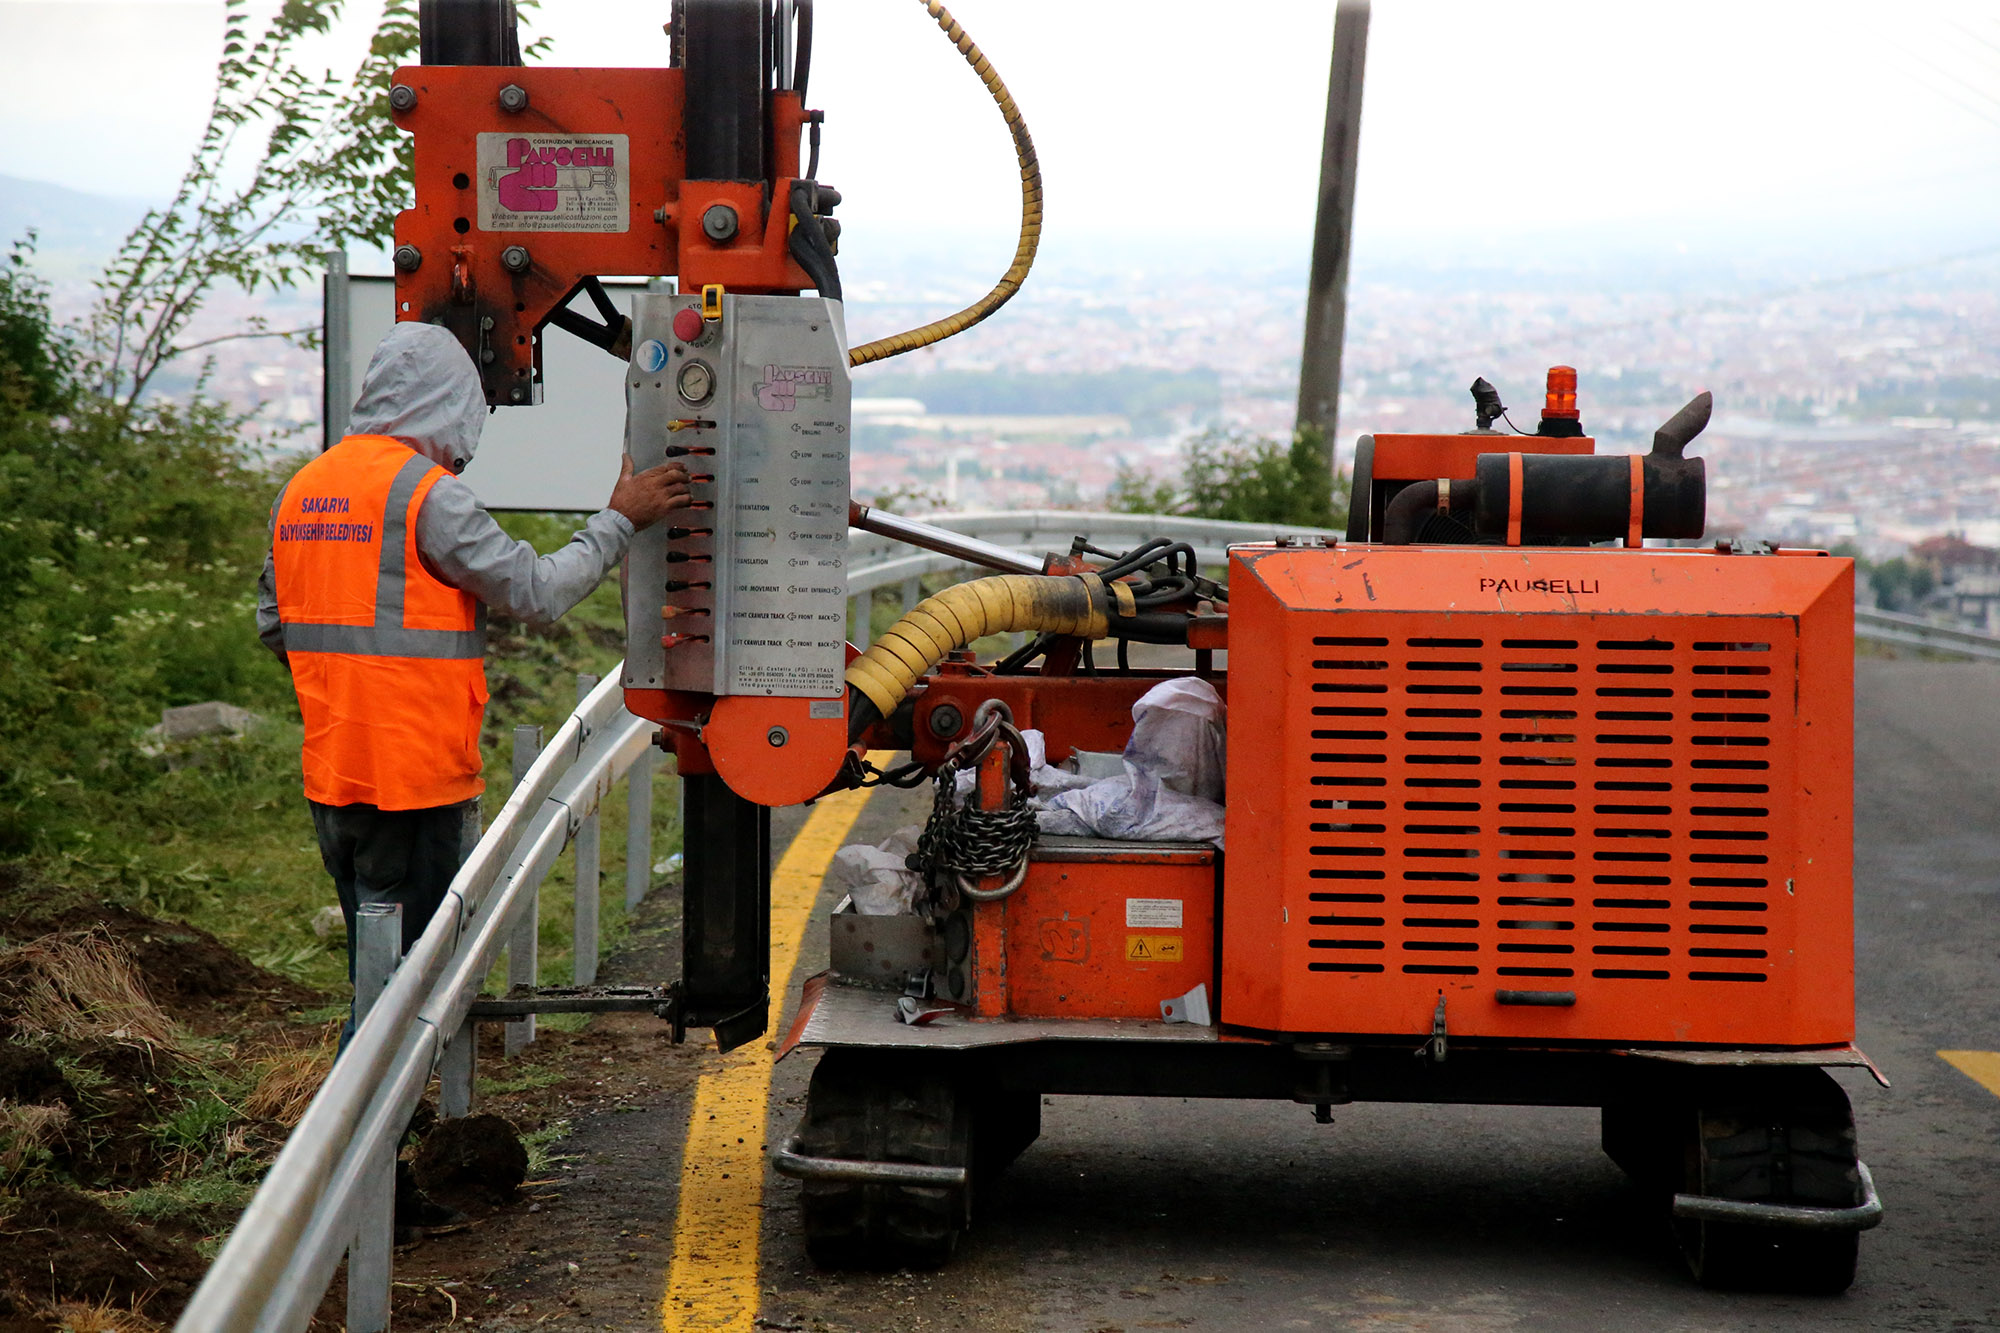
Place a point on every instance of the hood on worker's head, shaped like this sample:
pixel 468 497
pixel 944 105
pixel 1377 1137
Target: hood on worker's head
pixel 422 388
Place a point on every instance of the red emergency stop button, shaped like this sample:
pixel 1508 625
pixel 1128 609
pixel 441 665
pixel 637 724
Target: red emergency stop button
pixel 687 324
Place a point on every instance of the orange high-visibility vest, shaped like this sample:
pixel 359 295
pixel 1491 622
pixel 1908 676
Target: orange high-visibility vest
pixel 388 661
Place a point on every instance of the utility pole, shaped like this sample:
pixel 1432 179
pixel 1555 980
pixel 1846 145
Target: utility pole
pixel 1333 229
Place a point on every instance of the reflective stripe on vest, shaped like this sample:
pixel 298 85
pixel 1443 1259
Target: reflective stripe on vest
pixel 388 637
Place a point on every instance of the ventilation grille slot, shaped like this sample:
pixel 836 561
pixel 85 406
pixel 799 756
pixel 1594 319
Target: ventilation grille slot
pixel 1598 811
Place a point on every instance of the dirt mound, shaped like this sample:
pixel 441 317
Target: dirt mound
pixel 179 963
pixel 76 1249
pixel 146 1072
pixel 478 1159
pixel 31 1076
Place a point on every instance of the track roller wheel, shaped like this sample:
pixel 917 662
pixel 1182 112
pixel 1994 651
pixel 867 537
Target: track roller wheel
pixel 1783 1136
pixel 872 1107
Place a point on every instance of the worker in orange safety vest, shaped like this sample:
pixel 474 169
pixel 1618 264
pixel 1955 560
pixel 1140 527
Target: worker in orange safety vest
pixel 381 566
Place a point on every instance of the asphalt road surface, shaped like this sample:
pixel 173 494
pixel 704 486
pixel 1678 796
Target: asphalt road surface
pixel 1134 1214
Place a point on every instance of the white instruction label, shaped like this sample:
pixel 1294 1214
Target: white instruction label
pixel 1153 913
pixel 554 182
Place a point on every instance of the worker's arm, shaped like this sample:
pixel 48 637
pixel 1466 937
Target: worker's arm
pixel 467 549
pixel 269 628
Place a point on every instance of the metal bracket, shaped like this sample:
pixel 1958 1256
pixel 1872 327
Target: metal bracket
pixel 660 1001
pixel 614 332
pixel 1861 1217
pixel 1434 1045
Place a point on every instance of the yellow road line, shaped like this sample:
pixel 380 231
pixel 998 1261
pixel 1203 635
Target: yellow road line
pixel 1982 1067
pixel 712 1283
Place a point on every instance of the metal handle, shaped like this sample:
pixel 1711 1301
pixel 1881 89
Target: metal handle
pixel 1542 999
pixel 788 1160
pixel 1858 1218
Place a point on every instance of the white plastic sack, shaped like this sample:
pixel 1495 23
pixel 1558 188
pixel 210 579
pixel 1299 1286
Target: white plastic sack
pixel 1171 790
pixel 878 878
pixel 1138 806
pixel 1046 779
pixel 1178 735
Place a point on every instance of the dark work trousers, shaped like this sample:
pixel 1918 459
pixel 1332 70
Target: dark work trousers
pixel 393 856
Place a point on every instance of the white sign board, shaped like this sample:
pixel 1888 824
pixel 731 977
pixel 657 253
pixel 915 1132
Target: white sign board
pixel 561 454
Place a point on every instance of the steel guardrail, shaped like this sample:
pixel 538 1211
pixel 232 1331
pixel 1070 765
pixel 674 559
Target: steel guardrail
pixel 1893 627
pixel 875 562
pixel 275 1268
pixel 879 562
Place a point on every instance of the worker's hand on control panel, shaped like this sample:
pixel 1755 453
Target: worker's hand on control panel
pixel 651 495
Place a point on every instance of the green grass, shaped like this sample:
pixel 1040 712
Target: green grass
pixel 86 1080
pixel 541 1143
pixel 525 1079
pixel 202 1198
pixel 195 1127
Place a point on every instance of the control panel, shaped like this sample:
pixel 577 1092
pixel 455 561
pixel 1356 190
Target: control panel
pixel 745 593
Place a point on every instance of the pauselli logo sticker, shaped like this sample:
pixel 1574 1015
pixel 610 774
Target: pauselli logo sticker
pixel 555 182
pixel 783 387
pixel 1560 587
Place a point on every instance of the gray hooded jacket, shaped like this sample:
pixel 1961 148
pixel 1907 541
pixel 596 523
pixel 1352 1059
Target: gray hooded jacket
pixel 421 388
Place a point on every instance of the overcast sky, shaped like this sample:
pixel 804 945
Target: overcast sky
pixel 1198 124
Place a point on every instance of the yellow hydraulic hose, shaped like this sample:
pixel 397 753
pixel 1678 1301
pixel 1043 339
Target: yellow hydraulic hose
pixel 1031 212
pixel 1074 604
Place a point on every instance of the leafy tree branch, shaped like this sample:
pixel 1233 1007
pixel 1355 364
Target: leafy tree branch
pixel 1243 479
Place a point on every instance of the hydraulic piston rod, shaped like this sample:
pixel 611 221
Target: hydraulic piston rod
pixel 942 540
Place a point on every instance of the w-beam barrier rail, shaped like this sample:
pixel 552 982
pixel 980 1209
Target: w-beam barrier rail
pixel 1913 632
pixel 880 562
pixel 877 562
pixel 326 1182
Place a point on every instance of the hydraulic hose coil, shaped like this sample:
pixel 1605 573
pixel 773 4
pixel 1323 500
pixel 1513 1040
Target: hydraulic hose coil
pixel 1031 211
pixel 1074 604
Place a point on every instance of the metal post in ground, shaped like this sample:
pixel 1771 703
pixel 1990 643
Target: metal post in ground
pixel 523 959
pixel 458 1072
pixel 913 592
pixel 458 1065
pixel 639 827
pixel 583 950
pixel 378 947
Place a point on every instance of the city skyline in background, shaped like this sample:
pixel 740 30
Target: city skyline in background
pixel 1791 207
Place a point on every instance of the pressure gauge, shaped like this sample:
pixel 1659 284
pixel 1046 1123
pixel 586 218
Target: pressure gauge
pixel 696 382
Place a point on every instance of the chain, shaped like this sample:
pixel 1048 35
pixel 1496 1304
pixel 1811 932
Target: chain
pixel 966 842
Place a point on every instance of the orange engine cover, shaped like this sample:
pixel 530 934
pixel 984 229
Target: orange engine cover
pixel 1625 776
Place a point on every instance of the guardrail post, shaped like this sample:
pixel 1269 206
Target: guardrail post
pixel 523 956
pixel 913 592
pixel 639 827
pixel 458 1072
pixel 378 947
pixel 583 947
pixel 861 619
